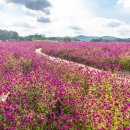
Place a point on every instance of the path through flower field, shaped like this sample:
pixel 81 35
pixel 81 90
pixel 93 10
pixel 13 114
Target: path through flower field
pixel 56 59
pixel 37 93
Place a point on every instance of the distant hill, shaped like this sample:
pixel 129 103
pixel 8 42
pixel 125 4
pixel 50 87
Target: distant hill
pixel 101 39
pixel 82 38
pixel 14 36
pixel 8 35
pixel 85 38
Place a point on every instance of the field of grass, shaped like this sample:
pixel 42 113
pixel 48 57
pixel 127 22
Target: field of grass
pixel 39 94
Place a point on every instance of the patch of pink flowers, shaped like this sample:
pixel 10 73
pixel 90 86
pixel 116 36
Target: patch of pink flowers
pixel 42 94
pixel 102 55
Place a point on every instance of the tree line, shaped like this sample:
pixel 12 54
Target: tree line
pixel 14 36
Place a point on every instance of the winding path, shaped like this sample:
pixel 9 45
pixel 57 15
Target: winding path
pixel 59 60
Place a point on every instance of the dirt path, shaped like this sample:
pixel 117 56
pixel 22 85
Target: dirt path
pixel 39 52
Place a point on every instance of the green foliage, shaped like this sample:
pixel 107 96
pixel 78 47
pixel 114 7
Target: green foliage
pixel 125 62
pixel 67 39
pixel 8 35
pixel 26 65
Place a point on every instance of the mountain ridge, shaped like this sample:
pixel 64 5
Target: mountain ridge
pixel 14 36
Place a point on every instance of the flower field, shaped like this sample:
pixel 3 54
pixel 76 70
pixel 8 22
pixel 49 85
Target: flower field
pixel 99 55
pixel 39 94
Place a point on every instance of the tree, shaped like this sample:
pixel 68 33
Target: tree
pixel 8 35
pixel 13 35
pixel 67 39
pixel 96 40
pixel 35 37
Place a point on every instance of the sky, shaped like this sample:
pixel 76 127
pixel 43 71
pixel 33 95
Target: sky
pixel 66 17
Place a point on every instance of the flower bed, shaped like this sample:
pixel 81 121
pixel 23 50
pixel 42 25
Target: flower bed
pixel 42 94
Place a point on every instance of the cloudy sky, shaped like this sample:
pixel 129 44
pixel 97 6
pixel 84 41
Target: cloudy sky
pixel 66 17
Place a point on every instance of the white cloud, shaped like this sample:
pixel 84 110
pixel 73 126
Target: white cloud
pixel 124 3
pixel 124 31
pixel 2 1
pixel 67 18
pixel 110 22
